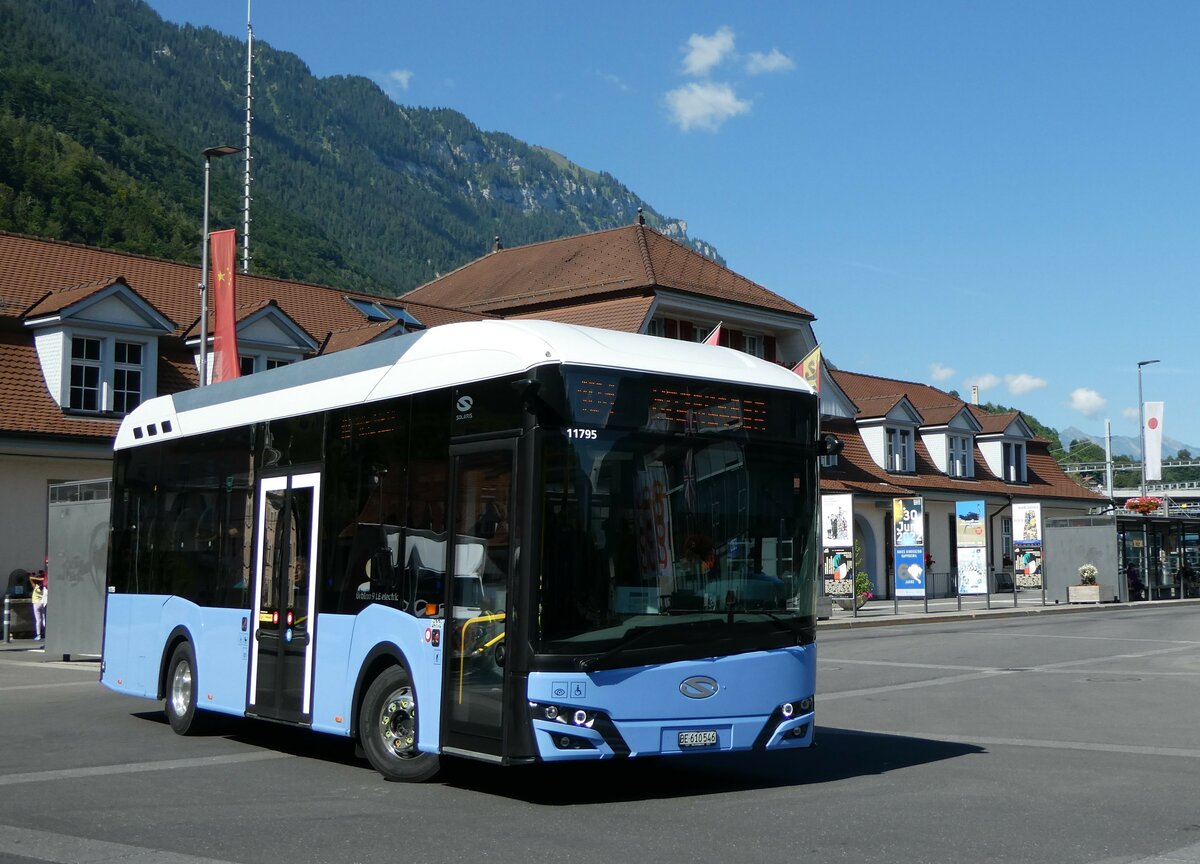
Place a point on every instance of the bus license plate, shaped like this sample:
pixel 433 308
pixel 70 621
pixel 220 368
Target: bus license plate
pixel 705 738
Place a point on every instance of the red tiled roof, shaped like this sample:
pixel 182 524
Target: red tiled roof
pixel 625 260
pixel 49 274
pixel 26 406
pixel 626 314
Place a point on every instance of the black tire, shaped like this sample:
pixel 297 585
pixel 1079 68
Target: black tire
pixel 388 729
pixel 180 690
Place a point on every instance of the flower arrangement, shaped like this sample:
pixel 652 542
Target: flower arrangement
pixel 1145 504
pixel 1087 574
pixel 862 586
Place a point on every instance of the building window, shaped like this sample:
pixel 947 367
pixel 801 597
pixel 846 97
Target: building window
pixel 106 375
pixel 899 449
pixel 1014 462
pixel 1006 539
pixel 127 376
pixel 86 366
pixel 960 461
pixel 829 461
pixel 251 363
pixel 752 345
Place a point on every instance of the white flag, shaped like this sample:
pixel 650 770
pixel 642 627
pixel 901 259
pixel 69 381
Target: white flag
pixel 1152 435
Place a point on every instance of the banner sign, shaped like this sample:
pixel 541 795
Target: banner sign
pixel 972 570
pixel 1153 433
pixel 1027 524
pixel 908 527
pixel 654 529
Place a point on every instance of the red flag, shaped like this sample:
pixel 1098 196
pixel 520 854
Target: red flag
pixel 714 338
pixel 226 364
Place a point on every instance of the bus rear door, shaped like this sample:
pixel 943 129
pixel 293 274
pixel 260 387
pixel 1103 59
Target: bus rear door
pixel 281 661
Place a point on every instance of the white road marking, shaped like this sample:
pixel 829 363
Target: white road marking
pixel 137 767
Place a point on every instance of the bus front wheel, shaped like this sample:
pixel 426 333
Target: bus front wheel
pixel 389 729
pixel 180 700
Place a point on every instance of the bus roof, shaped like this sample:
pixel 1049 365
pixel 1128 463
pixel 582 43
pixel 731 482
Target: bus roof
pixel 443 356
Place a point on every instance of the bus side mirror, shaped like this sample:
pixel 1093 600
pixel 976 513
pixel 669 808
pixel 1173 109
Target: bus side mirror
pixel 829 445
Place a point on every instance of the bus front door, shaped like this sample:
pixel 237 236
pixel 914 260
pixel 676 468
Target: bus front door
pixel 281 659
pixel 483 528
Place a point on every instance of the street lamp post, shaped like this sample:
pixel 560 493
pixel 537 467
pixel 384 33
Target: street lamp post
pixel 1142 488
pixel 1142 424
pixel 209 154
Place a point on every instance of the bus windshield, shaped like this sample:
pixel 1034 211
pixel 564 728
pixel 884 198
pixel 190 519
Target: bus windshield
pixel 688 531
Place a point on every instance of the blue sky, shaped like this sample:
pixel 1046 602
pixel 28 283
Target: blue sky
pixel 1005 194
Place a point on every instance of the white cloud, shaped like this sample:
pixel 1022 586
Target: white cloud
pixel 1087 402
pixel 1023 383
pixel 776 61
pixel 705 52
pixel 983 382
pixel 939 372
pixel 1131 414
pixel 400 77
pixel 704 105
pixel 614 80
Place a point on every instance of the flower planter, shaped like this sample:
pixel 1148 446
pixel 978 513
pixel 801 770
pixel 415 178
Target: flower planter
pixel 1087 593
pixel 849 605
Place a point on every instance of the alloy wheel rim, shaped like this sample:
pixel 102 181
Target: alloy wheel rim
pixel 398 723
pixel 181 689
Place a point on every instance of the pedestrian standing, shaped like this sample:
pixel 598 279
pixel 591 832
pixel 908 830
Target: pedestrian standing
pixel 38 581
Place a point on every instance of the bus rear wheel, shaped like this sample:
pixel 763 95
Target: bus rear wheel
pixel 389 729
pixel 180 702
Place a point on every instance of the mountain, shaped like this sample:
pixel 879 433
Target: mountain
pixel 105 109
pixel 1126 445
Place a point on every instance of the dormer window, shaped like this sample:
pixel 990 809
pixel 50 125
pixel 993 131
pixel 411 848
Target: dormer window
pixel 1014 462
pixel 960 462
pixel 106 374
pixel 899 449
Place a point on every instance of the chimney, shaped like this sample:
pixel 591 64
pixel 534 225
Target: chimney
pixel 641 220
pixel 496 244
pixel 974 394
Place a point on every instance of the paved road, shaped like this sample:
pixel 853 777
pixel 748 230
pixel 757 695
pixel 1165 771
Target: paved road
pixel 1046 738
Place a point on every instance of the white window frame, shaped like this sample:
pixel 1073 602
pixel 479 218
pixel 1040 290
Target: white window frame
pixel 899 449
pixel 126 366
pixel 960 460
pixel 108 367
pixel 1013 461
pixel 753 344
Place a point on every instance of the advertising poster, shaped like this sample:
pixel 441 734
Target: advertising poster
pixel 972 570
pixel 1027 524
pixel 1027 567
pixel 908 522
pixel 910 571
pixel 839 573
pixel 837 521
pixel 969 521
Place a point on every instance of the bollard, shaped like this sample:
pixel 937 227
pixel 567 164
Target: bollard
pixel 7 619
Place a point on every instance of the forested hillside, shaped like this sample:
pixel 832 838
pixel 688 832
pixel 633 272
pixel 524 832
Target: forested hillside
pixel 105 108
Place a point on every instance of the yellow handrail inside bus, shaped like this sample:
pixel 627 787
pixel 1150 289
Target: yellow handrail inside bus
pixel 462 657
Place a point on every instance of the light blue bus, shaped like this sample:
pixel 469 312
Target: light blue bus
pixel 511 541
